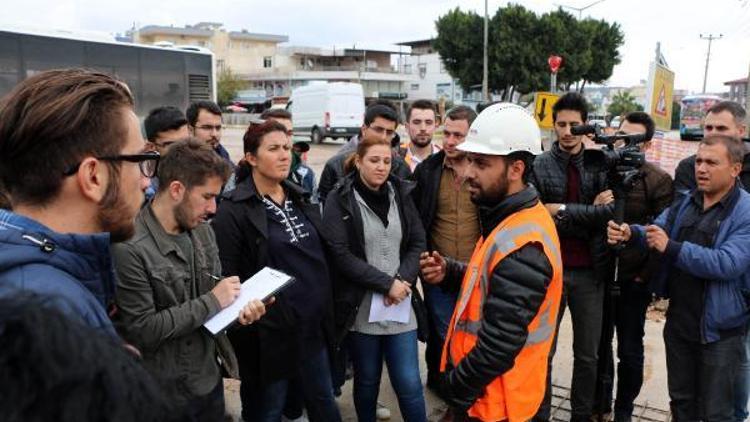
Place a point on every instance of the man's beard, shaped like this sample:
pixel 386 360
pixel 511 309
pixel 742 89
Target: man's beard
pixel 421 142
pixel 490 198
pixel 115 215
pixel 182 215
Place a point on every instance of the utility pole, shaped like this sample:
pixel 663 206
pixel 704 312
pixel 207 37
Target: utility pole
pixel 710 38
pixel 485 72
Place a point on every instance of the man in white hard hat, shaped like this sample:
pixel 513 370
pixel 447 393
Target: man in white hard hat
pixel 501 332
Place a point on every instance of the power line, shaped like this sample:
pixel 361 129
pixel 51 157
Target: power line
pixel 710 38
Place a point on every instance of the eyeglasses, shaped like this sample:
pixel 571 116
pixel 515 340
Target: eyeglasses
pixel 209 128
pixel 381 130
pixel 148 162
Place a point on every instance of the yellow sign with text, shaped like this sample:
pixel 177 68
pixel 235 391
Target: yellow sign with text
pixel 543 108
pixel 660 104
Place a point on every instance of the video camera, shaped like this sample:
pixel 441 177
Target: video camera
pixel 628 154
pixel 623 165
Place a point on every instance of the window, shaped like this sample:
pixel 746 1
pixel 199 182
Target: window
pixel 422 70
pixel 415 87
pixel 442 67
pixel 201 43
pixel 220 65
pixel 407 69
pixel 267 62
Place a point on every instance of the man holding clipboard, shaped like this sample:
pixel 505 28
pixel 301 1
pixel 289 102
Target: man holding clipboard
pixel 168 288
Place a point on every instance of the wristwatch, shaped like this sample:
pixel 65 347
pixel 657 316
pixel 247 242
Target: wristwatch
pixel 561 212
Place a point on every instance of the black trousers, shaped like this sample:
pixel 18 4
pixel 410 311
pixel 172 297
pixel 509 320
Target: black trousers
pixel 625 315
pixel 208 408
pixel 584 296
pixel 700 377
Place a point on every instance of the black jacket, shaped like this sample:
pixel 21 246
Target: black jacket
pixel 684 176
pixel 345 235
pixel 515 293
pixel 582 220
pixel 267 349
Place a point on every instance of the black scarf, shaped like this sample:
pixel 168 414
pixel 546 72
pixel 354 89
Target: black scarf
pixel 378 200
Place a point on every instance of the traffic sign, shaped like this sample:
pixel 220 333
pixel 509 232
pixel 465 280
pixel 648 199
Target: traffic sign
pixel 659 90
pixel 543 108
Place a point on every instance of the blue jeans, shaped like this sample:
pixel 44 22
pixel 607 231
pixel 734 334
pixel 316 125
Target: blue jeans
pixel 400 354
pixel 742 384
pixel 439 304
pixel 266 404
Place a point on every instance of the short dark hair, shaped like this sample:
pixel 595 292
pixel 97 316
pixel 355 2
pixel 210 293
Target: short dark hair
pixel 55 368
pixel 195 108
pixel 191 162
pixel 254 135
pixel 55 119
pixel 735 109
pixel 524 156
pixel 735 147
pixel 421 105
pixel 379 110
pixel 163 119
pixel 251 142
pixel 642 118
pixel 276 113
pixel 462 112
pixel 571 101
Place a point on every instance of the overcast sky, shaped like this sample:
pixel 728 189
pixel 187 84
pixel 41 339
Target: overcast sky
pixel 378 23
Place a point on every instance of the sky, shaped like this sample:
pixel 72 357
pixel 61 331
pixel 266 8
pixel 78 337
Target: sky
pixel 678 25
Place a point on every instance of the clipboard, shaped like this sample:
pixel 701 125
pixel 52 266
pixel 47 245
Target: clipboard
pixel 264 284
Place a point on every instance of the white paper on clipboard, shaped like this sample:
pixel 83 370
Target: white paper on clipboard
pixel 263 284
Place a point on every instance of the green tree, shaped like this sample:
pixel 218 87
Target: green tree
pixel 520 43
pixel 675 115
pixel 623 103
pixel 458 35
pixel 605 38
pixel 227 86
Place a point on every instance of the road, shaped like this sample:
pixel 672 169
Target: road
pixel 653 394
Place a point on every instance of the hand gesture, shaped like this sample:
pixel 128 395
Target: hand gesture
pixel 227 290
pixel 656 238
pixel 432 267
pixel 604 197
pixel 617 233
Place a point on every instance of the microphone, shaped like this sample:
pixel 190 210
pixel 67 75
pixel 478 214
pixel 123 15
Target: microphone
pixel 583 130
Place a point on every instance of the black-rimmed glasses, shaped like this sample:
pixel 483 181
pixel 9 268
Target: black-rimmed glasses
pixel 148 162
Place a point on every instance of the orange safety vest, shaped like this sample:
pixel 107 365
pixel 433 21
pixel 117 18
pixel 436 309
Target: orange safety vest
pixel 516 394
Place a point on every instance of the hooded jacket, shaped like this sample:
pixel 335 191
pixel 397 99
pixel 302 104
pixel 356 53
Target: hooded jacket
pixel 74 271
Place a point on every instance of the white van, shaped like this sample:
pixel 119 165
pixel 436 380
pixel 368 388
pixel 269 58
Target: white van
pixel 333 109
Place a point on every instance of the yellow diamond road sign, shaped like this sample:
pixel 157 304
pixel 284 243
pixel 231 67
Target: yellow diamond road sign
pixel 543 108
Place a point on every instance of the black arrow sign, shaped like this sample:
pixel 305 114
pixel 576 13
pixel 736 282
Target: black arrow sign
pixel 541 113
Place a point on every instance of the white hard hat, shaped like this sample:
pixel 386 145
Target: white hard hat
pixel 501 129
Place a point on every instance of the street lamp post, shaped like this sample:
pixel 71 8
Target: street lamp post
pixel 580 9
pixel 485 72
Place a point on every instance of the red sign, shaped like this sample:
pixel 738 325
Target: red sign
pixel 554 63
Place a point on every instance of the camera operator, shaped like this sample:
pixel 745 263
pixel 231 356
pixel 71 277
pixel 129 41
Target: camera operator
pixel 704 242
pixel 626 313
pixel 568 179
